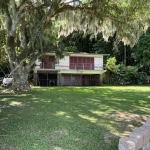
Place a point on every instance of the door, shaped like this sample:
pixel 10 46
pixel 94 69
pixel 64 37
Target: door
pixel 52 79
pixel 47 79
pixel 72 80
pixel 83 80
pixel 62 80
pixel 42 79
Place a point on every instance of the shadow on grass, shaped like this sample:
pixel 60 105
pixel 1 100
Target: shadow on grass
pixel 72 118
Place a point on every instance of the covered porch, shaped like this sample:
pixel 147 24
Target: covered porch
pixel 80 77
pixel 68 77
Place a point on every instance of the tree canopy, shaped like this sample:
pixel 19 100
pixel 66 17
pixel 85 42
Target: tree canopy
pixel 129 18
pixel 142 51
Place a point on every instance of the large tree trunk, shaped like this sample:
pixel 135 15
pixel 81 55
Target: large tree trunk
pixel 18 70
pixel 20 79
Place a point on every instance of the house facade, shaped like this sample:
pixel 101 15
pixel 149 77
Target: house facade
pixel 75 69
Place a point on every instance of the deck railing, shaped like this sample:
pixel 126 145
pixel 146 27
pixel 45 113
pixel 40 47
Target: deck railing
pixel 72 66
pixel 47 65
pixel 82 66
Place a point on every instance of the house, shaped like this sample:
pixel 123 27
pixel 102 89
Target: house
pixel 75 69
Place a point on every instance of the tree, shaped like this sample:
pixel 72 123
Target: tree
pixel 128 18
pixel 29 26
pixel 3 54
pixel 142 52
pixel 78 41
pixel 4 69
pixel 111 64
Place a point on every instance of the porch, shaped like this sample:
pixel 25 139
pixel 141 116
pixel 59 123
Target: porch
pixel 71 66
pixel 60 78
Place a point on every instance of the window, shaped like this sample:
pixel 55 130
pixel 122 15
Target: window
pixel 82 63
pixel 48 62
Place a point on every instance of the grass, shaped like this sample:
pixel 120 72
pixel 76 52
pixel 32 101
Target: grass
pixel 71 118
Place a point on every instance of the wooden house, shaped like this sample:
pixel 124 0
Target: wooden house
pixel 75 69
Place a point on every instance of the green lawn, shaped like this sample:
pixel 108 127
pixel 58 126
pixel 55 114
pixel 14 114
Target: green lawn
pixel 71 118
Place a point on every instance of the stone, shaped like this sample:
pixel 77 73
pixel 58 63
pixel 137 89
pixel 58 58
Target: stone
pixel 146 130
pixel 146 147
pixel 139 137
pixel 127 144
pixel 148 122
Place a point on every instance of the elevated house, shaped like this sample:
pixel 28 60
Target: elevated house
pixel 76 69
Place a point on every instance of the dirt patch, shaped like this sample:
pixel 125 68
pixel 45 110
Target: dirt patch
pixel 129 117
pixel 6 91
pixel 107 138
pixel 125 124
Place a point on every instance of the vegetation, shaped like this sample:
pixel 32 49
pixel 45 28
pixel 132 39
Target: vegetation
pixel 138 56
pixel 30 27
pixel 87 42
pixel 82 118
pixel 142 52
pixel 3 54
pixel 124 75
pixel 4 63
pixel 111 65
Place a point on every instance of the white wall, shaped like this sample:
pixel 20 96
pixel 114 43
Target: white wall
pixel 37 62
pixel 63 63
pixel 98 63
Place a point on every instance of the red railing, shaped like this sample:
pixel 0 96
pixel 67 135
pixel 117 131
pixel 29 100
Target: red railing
pixel 73 66
pixel 81 66
pixel 47 65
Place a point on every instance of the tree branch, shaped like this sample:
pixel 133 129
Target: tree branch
pixel 62 9
pixel 22 8
pixel 32 58
pixel 23 40
pixel 13 4
pixel 14 17
pixel 7 19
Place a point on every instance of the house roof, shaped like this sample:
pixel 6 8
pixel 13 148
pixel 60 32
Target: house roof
pixel 88 54
pixel 81 54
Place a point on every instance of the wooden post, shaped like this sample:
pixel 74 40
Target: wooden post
pixel 101 78
pixel 58 79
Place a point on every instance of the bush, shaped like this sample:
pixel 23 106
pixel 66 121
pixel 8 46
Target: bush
pixel 124 75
